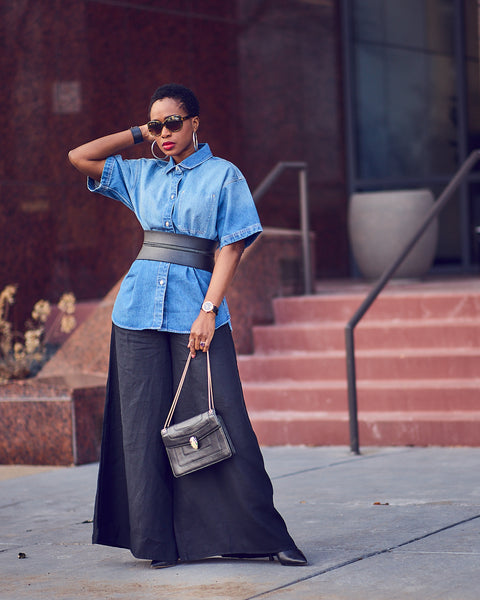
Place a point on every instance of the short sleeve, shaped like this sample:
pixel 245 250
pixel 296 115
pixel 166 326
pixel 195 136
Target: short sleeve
pixel 118 180
pixel 237 217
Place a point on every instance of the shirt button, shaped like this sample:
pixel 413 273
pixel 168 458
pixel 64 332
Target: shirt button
pixel 167 223
pixel 162 281
pixel 178 169
pixel 172 196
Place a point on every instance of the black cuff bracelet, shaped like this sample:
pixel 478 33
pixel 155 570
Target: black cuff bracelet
pixel 137 135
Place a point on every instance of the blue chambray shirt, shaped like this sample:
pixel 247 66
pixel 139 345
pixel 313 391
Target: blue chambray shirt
pixel 202 196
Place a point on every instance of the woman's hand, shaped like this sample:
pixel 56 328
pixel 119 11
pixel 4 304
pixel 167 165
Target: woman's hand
pixel 202 332
pixel 147 136
pixel 203 327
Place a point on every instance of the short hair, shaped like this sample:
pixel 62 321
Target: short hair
pixel 185 97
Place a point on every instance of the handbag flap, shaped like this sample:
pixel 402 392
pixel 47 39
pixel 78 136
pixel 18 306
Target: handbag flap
pixel 200 426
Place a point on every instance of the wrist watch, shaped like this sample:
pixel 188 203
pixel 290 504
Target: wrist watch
pixel 208 307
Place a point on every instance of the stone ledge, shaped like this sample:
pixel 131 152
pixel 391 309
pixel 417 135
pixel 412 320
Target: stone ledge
pixel 50 423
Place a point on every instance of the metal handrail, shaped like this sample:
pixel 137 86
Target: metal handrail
pixel 456 181
pixel 304 212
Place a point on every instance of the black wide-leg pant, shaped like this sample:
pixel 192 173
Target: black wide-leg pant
pixel 224 509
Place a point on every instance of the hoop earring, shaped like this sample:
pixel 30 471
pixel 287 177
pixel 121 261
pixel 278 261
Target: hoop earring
pixel 195 141
pixel 151 150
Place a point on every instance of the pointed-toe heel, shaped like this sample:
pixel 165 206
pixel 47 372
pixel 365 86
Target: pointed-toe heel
pixel 162 564
pixel 291 558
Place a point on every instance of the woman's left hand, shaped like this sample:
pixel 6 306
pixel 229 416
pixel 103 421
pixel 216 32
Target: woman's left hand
pixel 201 333
pixel 203 327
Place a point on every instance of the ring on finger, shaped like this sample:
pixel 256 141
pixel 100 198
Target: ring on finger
pixel 202 344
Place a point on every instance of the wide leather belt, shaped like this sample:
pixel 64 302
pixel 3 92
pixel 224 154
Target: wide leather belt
pixel 180 249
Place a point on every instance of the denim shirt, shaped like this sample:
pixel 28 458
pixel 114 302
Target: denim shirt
pixel 203 196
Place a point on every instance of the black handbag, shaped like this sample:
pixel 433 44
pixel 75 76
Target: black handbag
pixel 200 441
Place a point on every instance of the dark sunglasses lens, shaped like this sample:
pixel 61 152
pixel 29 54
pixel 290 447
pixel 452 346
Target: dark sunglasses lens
pixel 155 127
pixel 173 124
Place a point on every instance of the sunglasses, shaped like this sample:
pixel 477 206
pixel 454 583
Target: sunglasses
pixel 173 123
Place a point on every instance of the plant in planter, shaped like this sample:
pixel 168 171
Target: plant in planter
pixel 380 224
pixel 22 355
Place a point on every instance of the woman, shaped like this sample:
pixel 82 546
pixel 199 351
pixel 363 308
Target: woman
pixel 171 303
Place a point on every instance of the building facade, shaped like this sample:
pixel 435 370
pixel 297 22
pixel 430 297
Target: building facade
pixel 370 93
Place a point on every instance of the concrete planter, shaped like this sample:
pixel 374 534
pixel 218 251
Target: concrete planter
pixel 380 224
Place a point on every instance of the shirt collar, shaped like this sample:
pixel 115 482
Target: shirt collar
pixel 197 158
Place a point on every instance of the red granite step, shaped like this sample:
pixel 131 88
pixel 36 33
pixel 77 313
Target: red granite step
pixel 379 395
pixel 370 364
pixel 394 333
pixel 449 428
pixel 417 363
pixel 398 305
pixel 375 428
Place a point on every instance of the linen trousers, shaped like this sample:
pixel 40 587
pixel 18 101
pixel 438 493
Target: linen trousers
pixel 223 509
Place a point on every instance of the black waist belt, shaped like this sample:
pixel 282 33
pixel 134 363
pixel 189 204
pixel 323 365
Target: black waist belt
pixel 180 249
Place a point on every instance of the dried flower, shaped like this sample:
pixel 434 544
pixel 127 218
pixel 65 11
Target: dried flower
pixel 67 303
pixel 68 323
pixel 5 337
pixel 6 329
pixel 32 340
pixel 41 311
pixel 19 360
pixel 18 351
pixel 7 296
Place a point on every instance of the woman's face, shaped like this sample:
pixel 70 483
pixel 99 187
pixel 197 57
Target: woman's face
pixel 177 144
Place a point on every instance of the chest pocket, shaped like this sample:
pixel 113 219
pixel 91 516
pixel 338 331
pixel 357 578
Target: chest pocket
pixel 196 214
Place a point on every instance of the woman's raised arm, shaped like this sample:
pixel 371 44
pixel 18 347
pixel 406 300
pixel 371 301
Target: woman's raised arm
pixel 90 158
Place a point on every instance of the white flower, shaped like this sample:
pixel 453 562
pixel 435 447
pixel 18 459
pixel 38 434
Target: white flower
pixel 67 303
pixel 68 323
pixel 32 340
pixel 18 351
pixel 41 310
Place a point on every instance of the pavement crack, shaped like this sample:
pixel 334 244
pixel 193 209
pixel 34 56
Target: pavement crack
pixel 338 463
pixel 355 559
pixel 10 505
pixel 427 535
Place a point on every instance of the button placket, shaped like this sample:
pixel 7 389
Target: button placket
pixel 176 178
pixel 160 290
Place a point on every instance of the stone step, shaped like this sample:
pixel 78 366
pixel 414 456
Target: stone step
pixel 417 363
pixel 400 305
pixel 414 428
pixel 394 333
pixel 388 395
pixel 401 363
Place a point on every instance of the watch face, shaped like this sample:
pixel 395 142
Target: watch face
pixel 208 306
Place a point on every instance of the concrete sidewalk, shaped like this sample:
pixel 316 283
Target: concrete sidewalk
pixel 393 523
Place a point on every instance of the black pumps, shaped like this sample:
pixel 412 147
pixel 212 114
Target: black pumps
pixel 291 558
pixel 162 564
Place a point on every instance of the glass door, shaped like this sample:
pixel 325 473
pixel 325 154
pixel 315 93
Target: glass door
pixel 412 103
